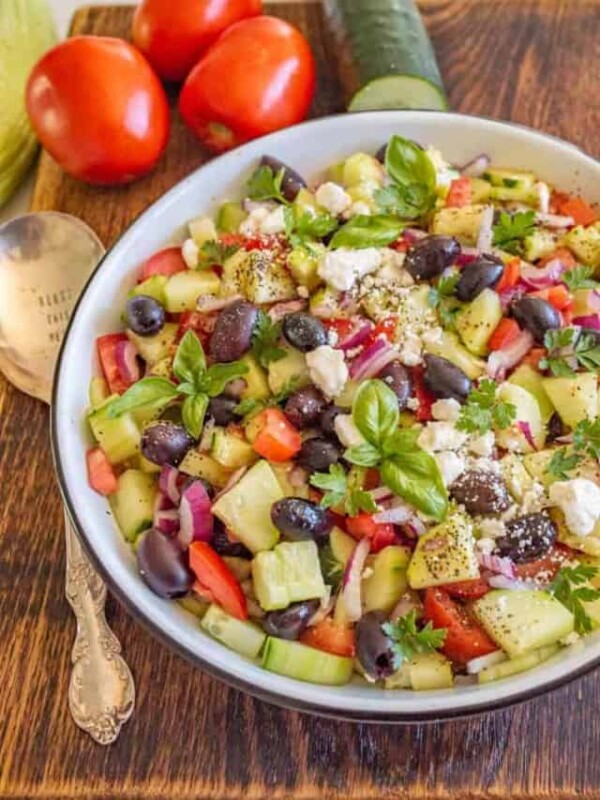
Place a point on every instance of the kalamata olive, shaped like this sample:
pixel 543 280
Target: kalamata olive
pixel 223 545
pixel 373 647
pixel 327 420
pixel 220 408
pixel 398 379
pixel 304 407
pixel 232 334
pixel 481 492
pixel 536 315
pixel 556 428
pixel 298 519
pixel 483 273
pixel 317 455
pixel 430 256
pixel 444 379
pixel 292 182
pixel 527 538
pixel 290 622
pixel 162 565
pixel 165 443
pixel 303 331
pixel 145 316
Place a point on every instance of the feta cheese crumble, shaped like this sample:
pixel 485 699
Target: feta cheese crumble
pixel 190 252
pixel 441 436
pixel 411 350
pixel 346 430
pixel 446 410
pixel 251 225
pixel 341 268
pixel 482 445
pixel 202 229
pixel 332 197
pixel 274 222
pixel 327 369
pixel 451 465
pixel 579 500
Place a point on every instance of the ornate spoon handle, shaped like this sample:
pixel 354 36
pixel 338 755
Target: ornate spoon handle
pixel 101 691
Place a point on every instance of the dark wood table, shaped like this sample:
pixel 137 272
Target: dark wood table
pixel 531 61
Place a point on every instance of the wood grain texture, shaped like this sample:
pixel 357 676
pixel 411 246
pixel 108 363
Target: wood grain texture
pixel 533 61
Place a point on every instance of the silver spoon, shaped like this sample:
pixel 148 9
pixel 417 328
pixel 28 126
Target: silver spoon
pixel 45 259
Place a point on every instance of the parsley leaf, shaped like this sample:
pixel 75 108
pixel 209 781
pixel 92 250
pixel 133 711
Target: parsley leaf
pixel 445 288
pixel 408 640
pixel 584 348
pixel 409 202
pixel 572 598
pixel 511 229
pixel 483 411
pixel 215 252
pixel 264 340
pixel 586 438
pixel 587 351
pixel 265 184
pixel 579 278
pixel 339 490
pixel 305 230
pixel 562 462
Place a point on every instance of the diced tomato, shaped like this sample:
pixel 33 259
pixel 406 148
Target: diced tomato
pixel 277 440
pixel 213 573
pixel 459 194
pixel 371 479
pixel 339 325
pixel 556 201
pixel 387 328
pixel 558 296
pixel 576 207
pixel 166 262
pixel 381 534
pixel 465 639
pixel 101 475
pixel 467 590
pixel 423 395
pixel 545 568
pixel 562 254
pixel 510 276
pixel 505 333
pixel 106 346
pixel 566 316
pixel 400 245
pixel 330 637
pixel 202 324
pixel 534 356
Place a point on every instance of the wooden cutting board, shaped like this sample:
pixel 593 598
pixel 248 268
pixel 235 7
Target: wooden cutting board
pixel 532 61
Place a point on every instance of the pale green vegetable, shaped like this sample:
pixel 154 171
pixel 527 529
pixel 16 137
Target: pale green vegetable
pixel 26 31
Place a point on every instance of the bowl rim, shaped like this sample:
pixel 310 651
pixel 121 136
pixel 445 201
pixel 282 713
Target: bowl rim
pixel 468 710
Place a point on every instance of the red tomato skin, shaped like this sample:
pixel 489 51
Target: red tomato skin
pixel 465 639
pixel 173 34
pixel 166 262
pixel 330 637
pixel 278 439
pixel 101 475
pixel 214 575
pixel 381 534
pixel 98 109
pixel 106 353
pixel 257 78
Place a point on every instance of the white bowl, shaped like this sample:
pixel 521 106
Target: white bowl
pixel 310 148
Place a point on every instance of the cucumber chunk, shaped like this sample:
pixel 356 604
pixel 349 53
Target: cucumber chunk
pixel 98 392
pixel 152 287
pixel 585 243
pixel 230 451
pixel 477 321
pixel 530 379
pixel 523 620
pixel 155 348
pixel 119 437
pixel 245 638
pixel 231 215
pixel 424 672
pixel 575 399
pixel 257 386
pixel 183 289
pixel 292 367
pixel 201 465
pixel 515 665
pixel 303 663
pixel 450 348
pixel 288 574
pixel 342 545
pixel 399 91
pixel 246 508
pixel 387 583
pixel 509 178
pixel 527 410
pixel 133 502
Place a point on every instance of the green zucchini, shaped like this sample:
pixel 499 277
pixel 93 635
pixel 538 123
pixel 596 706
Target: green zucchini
pixel 387 57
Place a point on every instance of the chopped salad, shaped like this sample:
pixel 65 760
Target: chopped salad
pixel 353 426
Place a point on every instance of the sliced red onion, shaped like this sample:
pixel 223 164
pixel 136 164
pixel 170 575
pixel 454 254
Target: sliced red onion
pixel 412 235
pixel 167 483
pixel 416 526
pixel 195 519
pixel 326 607
pixel 510 295
pixel 525 429
pixel 397 514
pixel 542 277
pixel 485 236
pixel 279 310
pixel 498 565
pixel 361 330
pixel 163 503
pixel 566 439
pixel 373 359
pixel 475 665
pixel 588 321
pixel 210 302
pixel 233 479
pixel 462 259
pixel 477 166
pixel 554 220
pixel 167 522
pixel 502 582
pixel 351 590
pixel 127 363
pixel 500 361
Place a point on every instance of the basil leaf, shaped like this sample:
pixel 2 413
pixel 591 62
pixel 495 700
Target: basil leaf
pixel 415 476
pixel 218 376
pixel 189 362
pixel 401 441
pixel 375 411
pixel 368 231
pixel 186 388
pixel 364 455
pixel 147 392
pixel 406 163
pixel 193 412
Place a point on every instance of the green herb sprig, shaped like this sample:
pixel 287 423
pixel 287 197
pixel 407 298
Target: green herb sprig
pixel 408 640
pixel 511 229
pixel 412 192
pixel 581 346
pixel 571 587
pixel 265 338
pixel 265 184
pixel 483 411
pixel 338 489
pixel 579 278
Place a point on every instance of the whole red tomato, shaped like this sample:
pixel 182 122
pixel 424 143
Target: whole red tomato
pixel 98 109
pixel 257 78
pixel 173 34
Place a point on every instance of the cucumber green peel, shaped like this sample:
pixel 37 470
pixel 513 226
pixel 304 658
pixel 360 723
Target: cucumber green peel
pixel 26 31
